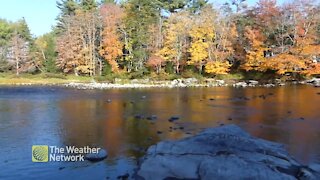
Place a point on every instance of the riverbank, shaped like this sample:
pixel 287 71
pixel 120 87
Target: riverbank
pixel 80 82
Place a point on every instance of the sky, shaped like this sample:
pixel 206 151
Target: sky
pixel 41 14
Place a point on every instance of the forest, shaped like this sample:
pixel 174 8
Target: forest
pixel 165 39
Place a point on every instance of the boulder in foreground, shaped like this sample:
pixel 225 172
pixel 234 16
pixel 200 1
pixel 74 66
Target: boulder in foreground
pixel 225 152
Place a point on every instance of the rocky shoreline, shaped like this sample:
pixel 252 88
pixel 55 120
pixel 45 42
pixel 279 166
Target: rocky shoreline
pixel 225 152
pixel 176 83
pixel 189 82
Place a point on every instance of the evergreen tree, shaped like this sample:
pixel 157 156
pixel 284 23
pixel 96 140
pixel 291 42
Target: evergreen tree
pixel 67 8
pixel 140 14
pixel 88 5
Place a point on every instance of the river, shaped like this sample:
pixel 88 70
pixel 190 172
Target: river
pixel 116 120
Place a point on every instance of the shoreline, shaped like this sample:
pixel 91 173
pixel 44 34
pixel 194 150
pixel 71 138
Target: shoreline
pixel 176 83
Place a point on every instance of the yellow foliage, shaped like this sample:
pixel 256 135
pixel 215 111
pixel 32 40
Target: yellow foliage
pixel 284 63
pixel 201 37
pixel 217 67
pixel 83 69
pixel 175 37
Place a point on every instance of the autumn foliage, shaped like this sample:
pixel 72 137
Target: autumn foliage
pixel 111 46
pixel 143 36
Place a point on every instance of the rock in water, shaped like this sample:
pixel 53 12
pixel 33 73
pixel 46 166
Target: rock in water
pixel 101 155
pixel 225 152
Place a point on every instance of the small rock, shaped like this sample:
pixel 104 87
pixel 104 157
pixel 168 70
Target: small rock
pixel 138 116
pixel 253 82
pixel 230 119
pixel 220 82
pixel 101 155
pixel 153 117
pixel 173 118
pixel 159 132
pixel 269 85
pixel 60 168
pixel 109 101
pixel 240 84
pixel 263 96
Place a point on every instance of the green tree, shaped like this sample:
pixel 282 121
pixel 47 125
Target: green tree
pixel 196 5
pixel 5 32
pixel 21 27
pixel 67 8
pixel 45 54
pixel 88 5
pixel 140 15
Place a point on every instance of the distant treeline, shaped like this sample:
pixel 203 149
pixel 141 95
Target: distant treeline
pixel 160 37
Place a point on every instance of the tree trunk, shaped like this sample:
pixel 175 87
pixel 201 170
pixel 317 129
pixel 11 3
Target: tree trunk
pixel 17 66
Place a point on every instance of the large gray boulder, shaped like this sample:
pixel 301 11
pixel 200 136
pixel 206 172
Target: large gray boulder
pixel 225 152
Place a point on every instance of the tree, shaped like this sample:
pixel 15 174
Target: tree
pixel 174 5
pixel 155 62
pixel 19 49
pixel 176 38
pixel 88 5
pixel 195 6
pixel 284 63
pixel 111 46
pixel 5 32
pixel 140 15
pixel 21 27
pixel 255 52
pixel 67 9
pixel 70 47
pixel 44 54
pixel 202 35
pixel 217 67
pixel 5 36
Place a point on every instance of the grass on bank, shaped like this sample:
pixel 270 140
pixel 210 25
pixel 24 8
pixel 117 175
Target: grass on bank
pixel 50 78
pixel 8 78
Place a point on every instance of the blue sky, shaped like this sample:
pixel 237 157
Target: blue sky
pixel 41 14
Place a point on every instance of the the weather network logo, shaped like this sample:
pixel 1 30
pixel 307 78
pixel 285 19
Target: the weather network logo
pixel 40 153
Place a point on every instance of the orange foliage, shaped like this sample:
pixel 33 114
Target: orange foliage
pixel 155 62
pixel 284 63
pixel 111 47
pixel 313 70
pixel 254 57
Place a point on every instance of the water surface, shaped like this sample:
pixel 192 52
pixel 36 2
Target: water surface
pixel 61 116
